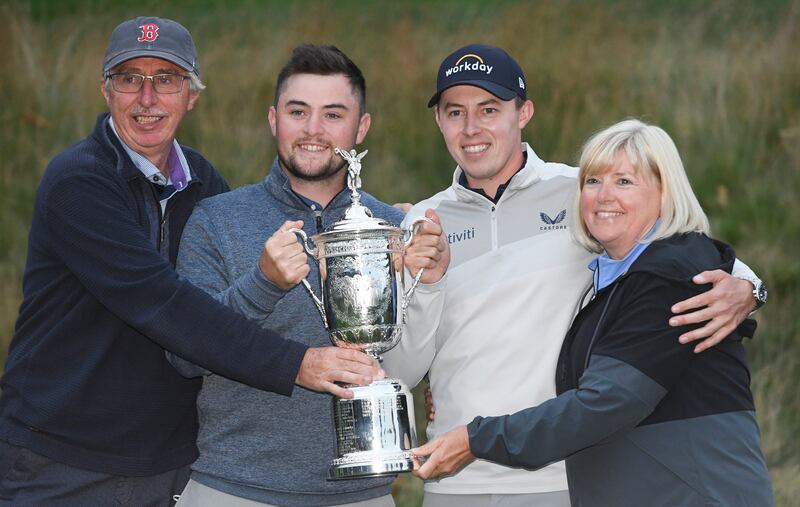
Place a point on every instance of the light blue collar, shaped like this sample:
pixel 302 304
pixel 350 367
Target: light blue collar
pixel 608 270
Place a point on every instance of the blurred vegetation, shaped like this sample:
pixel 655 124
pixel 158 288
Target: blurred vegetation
pixel 722 77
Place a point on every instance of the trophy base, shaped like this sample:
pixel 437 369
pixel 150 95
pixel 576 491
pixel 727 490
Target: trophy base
pixel 379 466
pixel 375 431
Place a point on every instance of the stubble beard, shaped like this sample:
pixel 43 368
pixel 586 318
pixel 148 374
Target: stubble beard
pixel 328 171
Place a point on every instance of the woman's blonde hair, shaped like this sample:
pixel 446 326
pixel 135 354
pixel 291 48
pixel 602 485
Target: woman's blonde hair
pixel 651 152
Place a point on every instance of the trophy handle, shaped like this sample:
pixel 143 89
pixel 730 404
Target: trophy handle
pixel 411 231
pixel 303 238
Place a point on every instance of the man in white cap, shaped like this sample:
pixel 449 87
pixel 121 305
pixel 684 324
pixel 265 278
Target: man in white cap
pixel 489 333
pixel 91 412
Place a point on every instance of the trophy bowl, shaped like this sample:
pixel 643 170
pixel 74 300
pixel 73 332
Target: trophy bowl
pixel 360 287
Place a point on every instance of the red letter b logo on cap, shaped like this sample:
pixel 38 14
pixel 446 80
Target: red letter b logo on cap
pixel 149 32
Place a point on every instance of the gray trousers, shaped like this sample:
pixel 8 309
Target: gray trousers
pixel 28 479
pixel 552 499
pixel 200 495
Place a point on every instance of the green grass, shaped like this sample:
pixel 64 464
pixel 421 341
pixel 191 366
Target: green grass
pixel 723 78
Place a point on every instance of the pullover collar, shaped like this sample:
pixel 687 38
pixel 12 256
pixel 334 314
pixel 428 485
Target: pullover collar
pixel 179 174
pixel 528 174
pixel 108 140
pixel 278 186
pixel 462 180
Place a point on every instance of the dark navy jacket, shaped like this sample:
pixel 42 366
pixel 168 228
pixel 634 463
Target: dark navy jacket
pixel 86 381
pixel 647 422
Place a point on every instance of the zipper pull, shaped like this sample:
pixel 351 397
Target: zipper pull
pixel 318 219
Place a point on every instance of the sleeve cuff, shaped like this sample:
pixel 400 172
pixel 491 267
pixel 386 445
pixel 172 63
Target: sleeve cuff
pixel 472 428
pixel 261 290
pixel 432 288
pixel 293 361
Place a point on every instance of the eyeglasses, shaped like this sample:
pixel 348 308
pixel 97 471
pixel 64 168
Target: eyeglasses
pixel 127 82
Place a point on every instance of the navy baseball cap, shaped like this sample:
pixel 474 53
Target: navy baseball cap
pixel 483 66
pixel 154 37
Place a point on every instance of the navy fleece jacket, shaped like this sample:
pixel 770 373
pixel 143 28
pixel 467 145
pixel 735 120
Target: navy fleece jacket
pixel 86 381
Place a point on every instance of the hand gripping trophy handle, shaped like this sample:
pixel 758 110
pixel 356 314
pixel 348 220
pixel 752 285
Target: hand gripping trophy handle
pixel 411 232
pixel 313 253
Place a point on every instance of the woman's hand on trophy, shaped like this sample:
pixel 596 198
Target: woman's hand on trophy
pixel 446 455
pixel 283 260
pixel 429 250
pixel 322 367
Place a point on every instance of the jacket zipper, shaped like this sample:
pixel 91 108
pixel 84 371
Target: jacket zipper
pixel 562 368
pixel 162 217
pixel 494 227
pixel 597 327
pixel 161 224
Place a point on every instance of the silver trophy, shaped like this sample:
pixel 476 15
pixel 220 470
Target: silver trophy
pixel 363 305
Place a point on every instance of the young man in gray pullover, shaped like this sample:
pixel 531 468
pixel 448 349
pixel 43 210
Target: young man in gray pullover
pixel 257 448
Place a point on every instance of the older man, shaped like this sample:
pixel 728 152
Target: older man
pixel 91 411
pixel 489 333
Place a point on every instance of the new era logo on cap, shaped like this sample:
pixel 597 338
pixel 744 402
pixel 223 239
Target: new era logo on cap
pixel 484 66
pixel 154 37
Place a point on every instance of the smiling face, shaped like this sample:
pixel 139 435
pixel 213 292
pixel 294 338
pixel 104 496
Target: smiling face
pixel 147 121
pixel 314 115
pixel 619 205
pixel 483 134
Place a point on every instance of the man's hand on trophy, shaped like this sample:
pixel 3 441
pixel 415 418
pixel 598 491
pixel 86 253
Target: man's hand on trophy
pixel 283 259
pixel 322 367
pixel 429 249
pixel 445 455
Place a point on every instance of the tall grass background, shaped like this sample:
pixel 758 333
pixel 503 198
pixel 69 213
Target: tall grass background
pixel 722 77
